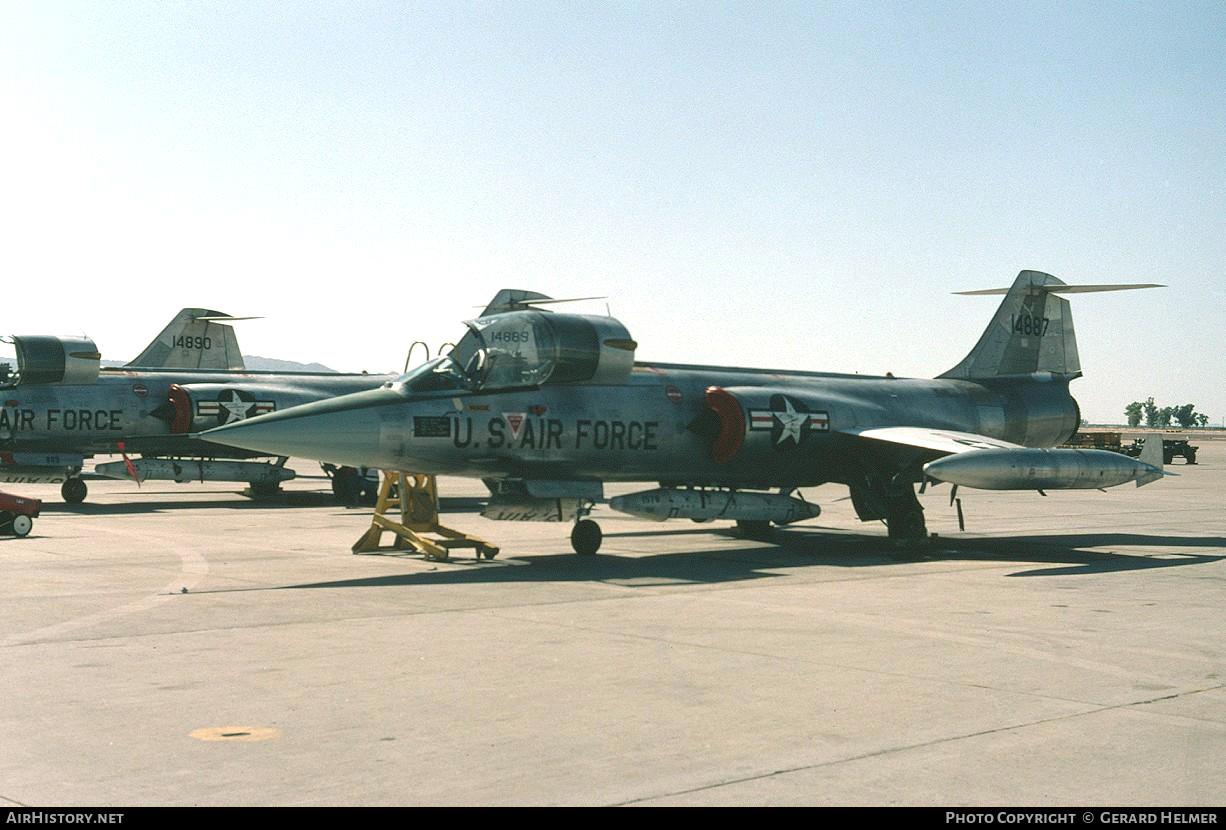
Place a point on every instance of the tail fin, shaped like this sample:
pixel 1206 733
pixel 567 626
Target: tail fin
pixel 516 299
pixel 195 339
pixel 1031 332
pixel 1152 453
pixel 512 299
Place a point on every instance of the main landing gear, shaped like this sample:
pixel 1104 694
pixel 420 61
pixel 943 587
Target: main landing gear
pixel 73 490
pixel 891 499
pixel 904 518
pixel 351 486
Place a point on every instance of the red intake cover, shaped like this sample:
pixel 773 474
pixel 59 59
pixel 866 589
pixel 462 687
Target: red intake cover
pixel 182 404
pixel 731 424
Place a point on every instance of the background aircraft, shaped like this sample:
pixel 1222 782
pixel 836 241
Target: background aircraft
pixel 61 406
pixel 547 406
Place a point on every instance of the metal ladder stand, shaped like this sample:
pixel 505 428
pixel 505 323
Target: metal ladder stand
pixel 415 496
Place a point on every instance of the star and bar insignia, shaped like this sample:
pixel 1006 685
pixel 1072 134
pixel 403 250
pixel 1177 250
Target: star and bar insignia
pixel 787 420
pixel 234 405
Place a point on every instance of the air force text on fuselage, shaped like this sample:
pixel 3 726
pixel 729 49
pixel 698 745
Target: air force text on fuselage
pixel 519 431
pixel 13 420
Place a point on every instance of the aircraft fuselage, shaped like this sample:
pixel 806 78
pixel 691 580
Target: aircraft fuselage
pixel 55 426
pixel 660 425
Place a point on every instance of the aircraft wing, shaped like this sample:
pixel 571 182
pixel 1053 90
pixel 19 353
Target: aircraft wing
pixel 946 441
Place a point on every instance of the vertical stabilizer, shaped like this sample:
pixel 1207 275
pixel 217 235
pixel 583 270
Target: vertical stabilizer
pixel 195 339
pixel 1031 332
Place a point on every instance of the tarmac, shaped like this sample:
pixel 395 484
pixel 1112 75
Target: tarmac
pixel 183 645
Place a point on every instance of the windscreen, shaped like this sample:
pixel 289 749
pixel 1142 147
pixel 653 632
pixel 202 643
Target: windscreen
pixel 8 363
pixel 438 375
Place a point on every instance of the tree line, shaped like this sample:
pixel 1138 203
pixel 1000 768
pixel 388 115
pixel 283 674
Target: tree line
pixel 1184 416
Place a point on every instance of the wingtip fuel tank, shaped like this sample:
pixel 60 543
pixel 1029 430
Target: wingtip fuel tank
pixel 1040 469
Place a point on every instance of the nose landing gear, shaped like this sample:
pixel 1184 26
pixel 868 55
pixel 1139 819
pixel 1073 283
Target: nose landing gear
pixel 73 490
pixel 585 537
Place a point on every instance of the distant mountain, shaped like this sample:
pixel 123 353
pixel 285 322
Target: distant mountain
pixel 271 364
pixel 260 364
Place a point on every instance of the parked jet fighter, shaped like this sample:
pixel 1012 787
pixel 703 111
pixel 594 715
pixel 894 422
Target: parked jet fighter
pixel 547 406
pixel 60 406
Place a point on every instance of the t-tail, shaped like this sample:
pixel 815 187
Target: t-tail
pixel 1031 332
pixel 195 339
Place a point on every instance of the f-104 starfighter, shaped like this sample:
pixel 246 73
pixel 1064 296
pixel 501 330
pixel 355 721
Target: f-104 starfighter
pixel 546 406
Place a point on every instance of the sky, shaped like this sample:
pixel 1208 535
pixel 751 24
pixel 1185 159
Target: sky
pixel 791 185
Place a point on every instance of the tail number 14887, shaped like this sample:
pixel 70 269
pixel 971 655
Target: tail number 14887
pixel 1026 324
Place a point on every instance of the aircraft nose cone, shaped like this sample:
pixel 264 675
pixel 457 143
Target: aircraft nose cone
pixel 347 436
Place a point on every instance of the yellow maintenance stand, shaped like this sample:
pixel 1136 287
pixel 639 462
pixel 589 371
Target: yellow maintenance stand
pixel 415 496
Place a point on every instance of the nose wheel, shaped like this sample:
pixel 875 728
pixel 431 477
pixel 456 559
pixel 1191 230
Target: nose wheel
pixel 73 490
pixel 585 537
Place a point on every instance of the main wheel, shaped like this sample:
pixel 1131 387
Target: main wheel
pixel 907 527
pixel 369 494
pixel 347 486
pixel 585 537
pixel 73 490
pixel 22 524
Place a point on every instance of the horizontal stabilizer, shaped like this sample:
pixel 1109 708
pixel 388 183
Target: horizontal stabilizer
pixel 1064 289
pixel 515 299
pixel 512 299
pixel 215 318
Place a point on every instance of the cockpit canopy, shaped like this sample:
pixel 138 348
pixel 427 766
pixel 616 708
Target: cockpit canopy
pixel 530 348
pixel 47 359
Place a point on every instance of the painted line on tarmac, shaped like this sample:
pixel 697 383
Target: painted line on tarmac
pixel 193 568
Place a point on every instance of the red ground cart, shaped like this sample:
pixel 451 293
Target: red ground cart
pixel 17 514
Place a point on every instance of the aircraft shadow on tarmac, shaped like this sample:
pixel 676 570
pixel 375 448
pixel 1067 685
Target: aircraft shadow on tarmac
pixel 233 501
pixel 798 548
